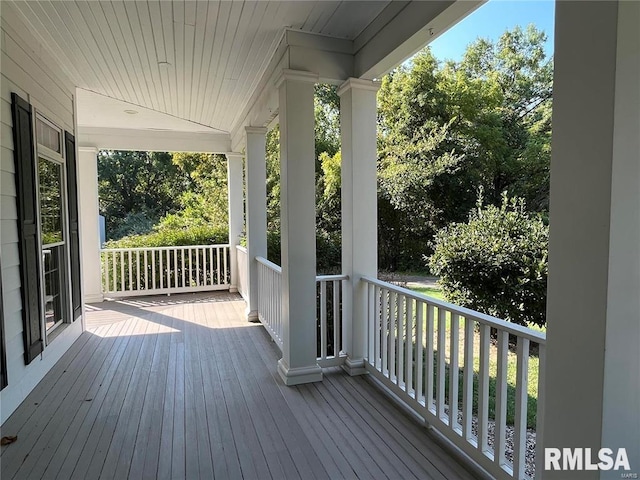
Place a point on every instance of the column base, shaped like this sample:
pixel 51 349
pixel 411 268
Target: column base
pixel 252 316
pixel 297 376
pixel 354 367
pixel 93 298
pixel 233 289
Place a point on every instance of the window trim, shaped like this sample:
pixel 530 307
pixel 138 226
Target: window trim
pixel 42 151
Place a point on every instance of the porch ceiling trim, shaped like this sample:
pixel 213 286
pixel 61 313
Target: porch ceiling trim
pixel 399 33
pixel 153 140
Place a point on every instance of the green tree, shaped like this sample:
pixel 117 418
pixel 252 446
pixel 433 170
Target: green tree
pixel 273 179
pixel 136 189
pixel 205 203
pixel 448 130
pixel 327 122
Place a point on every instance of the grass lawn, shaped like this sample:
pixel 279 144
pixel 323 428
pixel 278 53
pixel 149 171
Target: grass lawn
pixel 429 292
pixel 532 386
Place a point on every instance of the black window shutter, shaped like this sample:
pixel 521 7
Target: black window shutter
pixel 74 237
pixel 27 227
pixel 3 343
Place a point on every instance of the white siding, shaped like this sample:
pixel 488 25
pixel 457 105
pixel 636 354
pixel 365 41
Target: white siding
pixel 40 82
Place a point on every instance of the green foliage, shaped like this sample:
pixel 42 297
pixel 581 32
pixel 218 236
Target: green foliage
pixel 448 130
pixel 328 193
pixel 136 189
pixel 496 263
pixel 169 237
pixel 134 223
pixel 206 201
pixel 328 252
pixel 273 179
pixel 327 120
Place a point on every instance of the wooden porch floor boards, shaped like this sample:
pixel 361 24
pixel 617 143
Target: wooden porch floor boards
pixel 183 387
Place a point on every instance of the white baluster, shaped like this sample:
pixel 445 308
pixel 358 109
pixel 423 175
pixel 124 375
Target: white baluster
pixel 483 389
pixel 400 321
pixel 520 434
pixel 323 320
pixel 337 318
pixel 429 392
pixel 501 398
pixel 409 345
pixel 467 388
pixel 440 378
pixel 418 392
pixel 454 369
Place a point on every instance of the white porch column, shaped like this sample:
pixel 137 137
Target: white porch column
pixel 298 220
pixel 359 212
pixel 593 355
pixel 256 178
pixel 236 212
pixel 89 225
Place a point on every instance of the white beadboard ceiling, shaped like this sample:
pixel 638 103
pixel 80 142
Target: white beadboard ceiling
pixel 100 111
pixel 194 60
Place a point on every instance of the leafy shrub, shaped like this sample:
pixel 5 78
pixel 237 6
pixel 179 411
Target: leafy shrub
pixel 328 252
pixel 170 237
pixel 134 223
pixel 496 263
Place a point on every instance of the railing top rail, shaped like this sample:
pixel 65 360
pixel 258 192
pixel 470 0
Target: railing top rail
pixel 319 278
pixel 512 328
pixel 177 247
pixel 329 278
pixel 269 264
pixel 241 248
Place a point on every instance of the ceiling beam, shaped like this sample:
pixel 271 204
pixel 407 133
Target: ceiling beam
pixel 402 29
pixel 153 140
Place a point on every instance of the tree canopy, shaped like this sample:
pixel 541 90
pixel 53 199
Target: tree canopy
pixel 448 130
pixel 142 190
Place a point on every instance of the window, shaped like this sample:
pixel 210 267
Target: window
pixel 48 227
pixel 51 200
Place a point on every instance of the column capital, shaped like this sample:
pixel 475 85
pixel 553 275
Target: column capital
pixel 88 149
pixel 231 155
pixel 295 76
pixel 358 84
pixel 249 130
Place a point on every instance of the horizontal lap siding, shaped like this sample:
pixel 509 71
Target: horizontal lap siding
pixel 28 71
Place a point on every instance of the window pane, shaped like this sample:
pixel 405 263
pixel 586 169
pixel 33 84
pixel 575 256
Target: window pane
pixel 50 174
pixel 53 259
pixel 47 135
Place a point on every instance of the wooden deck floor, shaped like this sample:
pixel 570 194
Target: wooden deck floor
pixel 183 387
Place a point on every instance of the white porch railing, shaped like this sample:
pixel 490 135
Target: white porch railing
pixel 242 266
pixel 130 272
pixel 270 298
pixel 329 310
pixel 421 349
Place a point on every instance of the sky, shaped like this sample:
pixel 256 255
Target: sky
pixel 490 21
